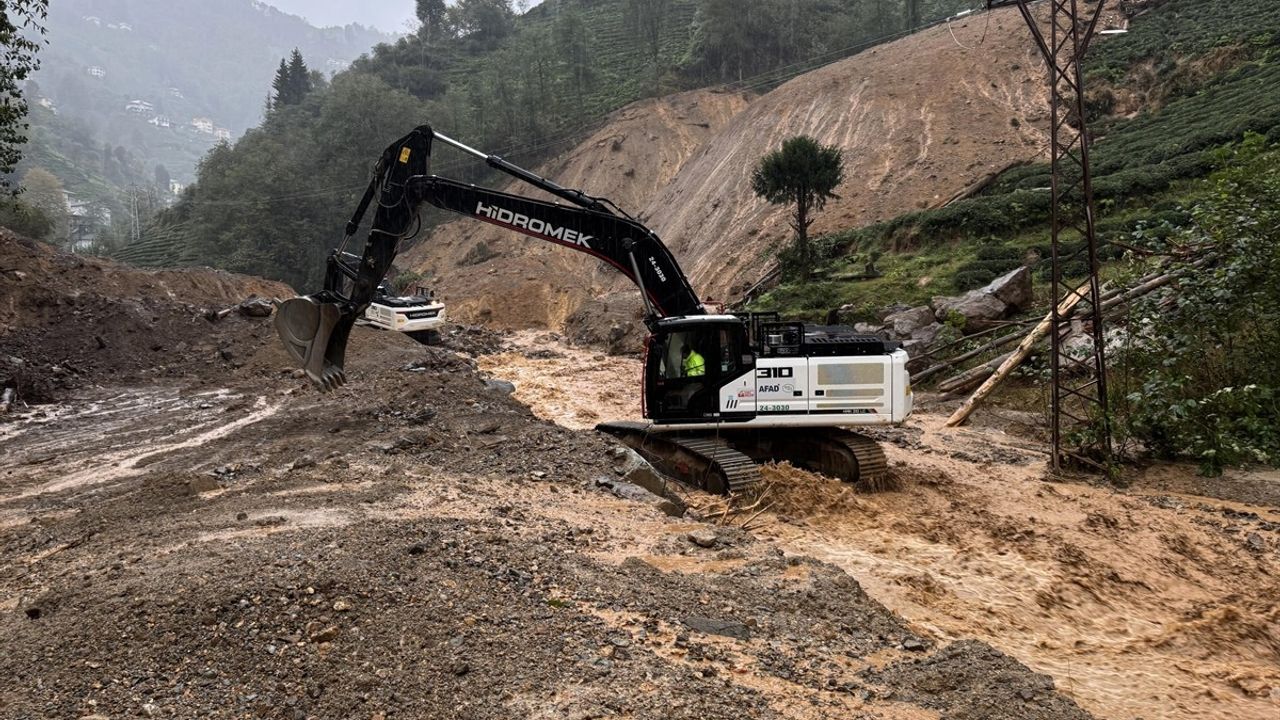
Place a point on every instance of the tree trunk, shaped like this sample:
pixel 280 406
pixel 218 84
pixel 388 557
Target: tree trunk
pixel 1016 357
pixel 802 240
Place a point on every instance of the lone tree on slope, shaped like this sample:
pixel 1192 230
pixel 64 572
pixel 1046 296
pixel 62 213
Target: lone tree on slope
pixel 804 174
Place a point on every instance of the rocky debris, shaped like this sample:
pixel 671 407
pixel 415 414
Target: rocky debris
pixel 471 340
pixel 983 308
pixel 970 679
pixel 703 537
pixel 714 626
pixel 920 328
pixel 256 308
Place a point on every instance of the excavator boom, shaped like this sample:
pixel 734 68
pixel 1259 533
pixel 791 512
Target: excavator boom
pixel 315 328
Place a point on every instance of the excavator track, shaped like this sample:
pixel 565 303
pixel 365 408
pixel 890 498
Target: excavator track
pixel 872 465
pixel 700 460
pixel 727 462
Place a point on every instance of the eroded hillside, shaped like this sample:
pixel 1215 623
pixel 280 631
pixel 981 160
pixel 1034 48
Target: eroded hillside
pixel 919 120
pixel 515 282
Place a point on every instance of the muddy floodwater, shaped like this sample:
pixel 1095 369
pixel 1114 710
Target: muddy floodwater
pixel 1143 603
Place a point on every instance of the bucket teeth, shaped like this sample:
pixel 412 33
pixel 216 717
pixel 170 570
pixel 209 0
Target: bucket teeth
pixel 314 334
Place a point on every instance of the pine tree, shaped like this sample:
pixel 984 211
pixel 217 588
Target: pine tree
pixel 299 77
pixel 805 174
pixel 292 82
pixel 280 86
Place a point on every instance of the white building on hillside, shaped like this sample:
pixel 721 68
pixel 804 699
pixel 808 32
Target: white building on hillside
pixel 202 124
pixel 96 71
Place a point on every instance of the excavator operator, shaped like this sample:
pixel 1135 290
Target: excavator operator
pixel 692 362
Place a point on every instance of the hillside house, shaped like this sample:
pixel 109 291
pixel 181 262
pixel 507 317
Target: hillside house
pixel 161 121
pixel 96 71
pixel 140 107
pixel 89 222
pixel 202 124
pixel 222 134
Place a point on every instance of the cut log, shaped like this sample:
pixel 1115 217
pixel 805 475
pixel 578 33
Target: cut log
pixel 7 398
pixel 972 377
pixel 1015 359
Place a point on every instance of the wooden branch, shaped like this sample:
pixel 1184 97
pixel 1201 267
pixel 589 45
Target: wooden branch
pixel 1015 359
pixel 970 378
pixel 982 184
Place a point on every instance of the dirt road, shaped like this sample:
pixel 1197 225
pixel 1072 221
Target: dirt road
pixel 1151 602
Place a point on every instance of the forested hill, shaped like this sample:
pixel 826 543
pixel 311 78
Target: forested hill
pixel 131 94
pixel 219 56
pixel 522 85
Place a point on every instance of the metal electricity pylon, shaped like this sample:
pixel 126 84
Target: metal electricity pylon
pixel 1081 423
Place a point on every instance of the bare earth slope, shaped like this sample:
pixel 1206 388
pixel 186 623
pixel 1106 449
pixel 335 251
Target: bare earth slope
pixel 918 120
pixel 533 284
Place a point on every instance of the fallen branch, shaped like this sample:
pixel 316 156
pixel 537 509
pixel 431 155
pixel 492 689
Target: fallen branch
pixel 1015 359
pixel 970 378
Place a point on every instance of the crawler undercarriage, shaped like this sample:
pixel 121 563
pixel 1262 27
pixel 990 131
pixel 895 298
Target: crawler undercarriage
pixel 728 461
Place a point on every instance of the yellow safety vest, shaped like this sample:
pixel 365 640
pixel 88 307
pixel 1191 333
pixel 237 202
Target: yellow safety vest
pixel 694 365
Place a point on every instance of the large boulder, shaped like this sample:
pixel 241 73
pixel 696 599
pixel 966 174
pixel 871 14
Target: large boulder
pixel 1013 288
pixel 985 307
pixel 904 323
pixel 978 310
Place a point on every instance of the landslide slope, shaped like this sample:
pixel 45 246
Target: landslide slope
pixel 919 120
pixel 515 282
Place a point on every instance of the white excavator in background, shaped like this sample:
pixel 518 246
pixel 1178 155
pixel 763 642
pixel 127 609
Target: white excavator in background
pixel 416 313
pixel 720 392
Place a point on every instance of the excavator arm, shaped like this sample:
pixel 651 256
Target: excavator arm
pixel 315 328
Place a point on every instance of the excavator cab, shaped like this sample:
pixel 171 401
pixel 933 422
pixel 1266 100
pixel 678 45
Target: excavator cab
pixel 688 362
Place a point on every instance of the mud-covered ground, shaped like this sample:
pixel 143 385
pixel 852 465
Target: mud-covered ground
pixel 223 541
pixel 1161 600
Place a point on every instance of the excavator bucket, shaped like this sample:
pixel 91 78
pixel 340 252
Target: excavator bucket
pixel 315 334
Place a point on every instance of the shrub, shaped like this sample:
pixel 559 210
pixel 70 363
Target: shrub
pixel 23 218
pixel 1197 375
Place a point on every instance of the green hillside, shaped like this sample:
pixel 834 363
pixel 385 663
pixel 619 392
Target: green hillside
pixel 524 86
pixel 1145 167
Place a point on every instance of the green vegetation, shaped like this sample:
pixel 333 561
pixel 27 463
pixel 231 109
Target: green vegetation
pixel 803 174
pixel 275 201
pixel 1196 375
pixel 23 219
pixel 21 28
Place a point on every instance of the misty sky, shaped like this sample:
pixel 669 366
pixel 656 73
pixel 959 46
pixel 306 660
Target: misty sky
pixel 386 15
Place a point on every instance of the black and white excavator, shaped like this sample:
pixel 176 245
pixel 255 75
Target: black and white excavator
pixel 721 392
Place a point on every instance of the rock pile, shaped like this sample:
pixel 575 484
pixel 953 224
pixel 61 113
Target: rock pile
pixel 919 328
